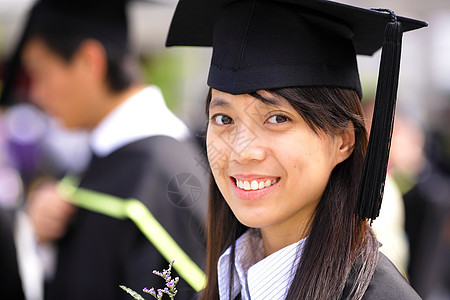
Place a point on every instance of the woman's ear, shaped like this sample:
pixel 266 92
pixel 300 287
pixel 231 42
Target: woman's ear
pixel 346 142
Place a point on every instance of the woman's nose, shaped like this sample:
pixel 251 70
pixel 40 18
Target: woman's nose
pixel 246 145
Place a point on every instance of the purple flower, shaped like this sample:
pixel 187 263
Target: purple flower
pixel 150 291
pixel 170 288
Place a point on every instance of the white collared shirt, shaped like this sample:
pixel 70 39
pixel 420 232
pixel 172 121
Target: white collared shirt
pixel 255 276
pixel 143 115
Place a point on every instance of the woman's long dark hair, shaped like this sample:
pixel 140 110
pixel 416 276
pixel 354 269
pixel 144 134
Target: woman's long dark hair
pixel 339 243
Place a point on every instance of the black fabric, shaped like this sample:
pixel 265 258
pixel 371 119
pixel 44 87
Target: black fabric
pixel 273 44
pixel 99 253
pixel 253 55
pixel 371 187
pixel 10 282
pixel 387 284
pixel 192 26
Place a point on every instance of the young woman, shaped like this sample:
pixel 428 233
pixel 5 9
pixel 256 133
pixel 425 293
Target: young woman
pixel 286 143
pixel 297 178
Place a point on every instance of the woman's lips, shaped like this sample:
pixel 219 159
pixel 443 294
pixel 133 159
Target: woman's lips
pixel 253 188
pixel 255 184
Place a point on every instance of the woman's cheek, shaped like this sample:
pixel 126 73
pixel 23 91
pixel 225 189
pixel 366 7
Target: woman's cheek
pixel 217 152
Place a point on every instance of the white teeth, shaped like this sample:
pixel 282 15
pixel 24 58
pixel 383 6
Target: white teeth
pixel 246 185
pixel 254 185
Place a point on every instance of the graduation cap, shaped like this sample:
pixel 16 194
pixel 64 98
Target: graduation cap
pixel 103 20
pixel 263 44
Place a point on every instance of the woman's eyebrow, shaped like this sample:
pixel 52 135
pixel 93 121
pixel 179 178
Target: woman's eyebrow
pixel 264 100
pixel 269 100
pixel 218 102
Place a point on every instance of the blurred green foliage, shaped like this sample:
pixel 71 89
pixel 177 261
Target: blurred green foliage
pixel 166 70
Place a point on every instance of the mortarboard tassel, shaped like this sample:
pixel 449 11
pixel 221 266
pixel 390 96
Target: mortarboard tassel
pixel 371 188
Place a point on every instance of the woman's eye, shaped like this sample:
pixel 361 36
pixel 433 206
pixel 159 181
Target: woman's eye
pixel 222 119
pixel 277 119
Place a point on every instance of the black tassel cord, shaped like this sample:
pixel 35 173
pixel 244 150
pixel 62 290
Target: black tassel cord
pixel 371 189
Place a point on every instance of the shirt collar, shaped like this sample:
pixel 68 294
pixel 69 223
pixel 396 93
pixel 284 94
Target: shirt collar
pixel 256 276
pixel 141 116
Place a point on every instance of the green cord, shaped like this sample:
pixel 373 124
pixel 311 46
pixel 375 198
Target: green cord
pixel 136 211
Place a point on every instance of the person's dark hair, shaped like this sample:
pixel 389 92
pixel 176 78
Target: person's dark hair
pixel 119 74
pixel 338 241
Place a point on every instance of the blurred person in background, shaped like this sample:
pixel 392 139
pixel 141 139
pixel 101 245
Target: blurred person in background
pixel 82 72
pixel 418 208
pixel 427 203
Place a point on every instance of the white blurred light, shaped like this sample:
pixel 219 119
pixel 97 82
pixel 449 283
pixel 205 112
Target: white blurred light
pixel 440 56
pixel 25 124
pixel 68 148
pixel 10 187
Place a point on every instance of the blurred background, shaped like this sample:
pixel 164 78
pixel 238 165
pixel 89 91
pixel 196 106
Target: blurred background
pixel 32 145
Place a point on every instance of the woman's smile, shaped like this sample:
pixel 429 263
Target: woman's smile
pixel 249 187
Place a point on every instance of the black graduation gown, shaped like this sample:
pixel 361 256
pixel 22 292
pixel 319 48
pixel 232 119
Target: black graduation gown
pixel 99 253
pixel 387 283
pixel 10 283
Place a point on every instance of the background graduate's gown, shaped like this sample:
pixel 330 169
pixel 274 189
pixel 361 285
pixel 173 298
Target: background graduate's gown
pixel 99 253
pixel 10 283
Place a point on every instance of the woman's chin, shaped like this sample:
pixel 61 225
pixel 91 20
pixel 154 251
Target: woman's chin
pixel 253 221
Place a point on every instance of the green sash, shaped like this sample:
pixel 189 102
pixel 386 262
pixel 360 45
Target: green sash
pixel 144 220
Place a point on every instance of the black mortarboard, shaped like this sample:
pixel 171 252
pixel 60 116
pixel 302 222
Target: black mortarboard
pixel 263 44
pixel 102 20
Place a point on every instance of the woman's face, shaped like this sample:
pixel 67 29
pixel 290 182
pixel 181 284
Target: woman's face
pixel 269 165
